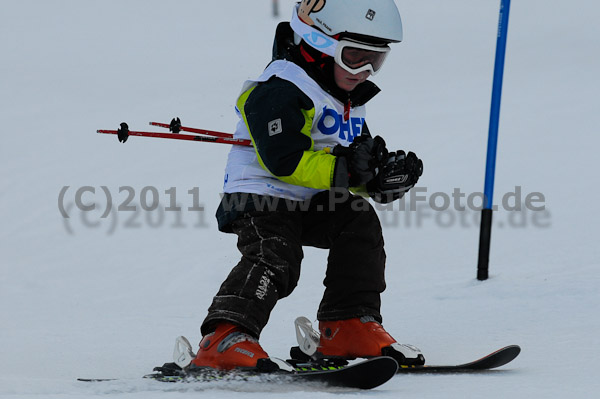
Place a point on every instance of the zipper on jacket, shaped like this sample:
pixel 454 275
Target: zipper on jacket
pixel 347 107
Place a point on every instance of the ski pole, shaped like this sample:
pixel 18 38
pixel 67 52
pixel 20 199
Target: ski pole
pixel 175 127
pixel 123 134
pixel 486 212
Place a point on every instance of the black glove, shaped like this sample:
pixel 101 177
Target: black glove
pixel 399 174
pixel 363 158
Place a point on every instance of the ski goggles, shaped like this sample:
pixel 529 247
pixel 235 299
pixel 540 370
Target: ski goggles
pixel 352 56
pixel 356 57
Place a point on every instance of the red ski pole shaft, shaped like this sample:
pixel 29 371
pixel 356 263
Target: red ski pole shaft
pixel 194 130
pixel 189 137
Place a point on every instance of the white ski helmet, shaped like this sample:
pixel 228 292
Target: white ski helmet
pixel 356 33
pixel 378 19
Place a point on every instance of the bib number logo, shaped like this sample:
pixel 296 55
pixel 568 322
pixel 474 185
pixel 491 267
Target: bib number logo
pixel 333 123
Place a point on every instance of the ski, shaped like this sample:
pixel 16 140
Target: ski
pixel 308 341
pixel 364 374
pixel 494 360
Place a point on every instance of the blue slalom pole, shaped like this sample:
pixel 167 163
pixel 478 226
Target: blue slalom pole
pixel 490 169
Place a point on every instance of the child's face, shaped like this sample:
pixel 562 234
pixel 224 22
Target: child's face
pixel 347 81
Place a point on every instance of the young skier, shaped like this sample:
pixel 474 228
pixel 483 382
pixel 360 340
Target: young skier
pixel 305 116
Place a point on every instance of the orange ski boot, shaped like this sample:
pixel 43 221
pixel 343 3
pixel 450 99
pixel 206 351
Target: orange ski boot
pixel 363 337
pixel 229 347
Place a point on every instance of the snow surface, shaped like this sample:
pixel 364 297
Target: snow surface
pixel 94 297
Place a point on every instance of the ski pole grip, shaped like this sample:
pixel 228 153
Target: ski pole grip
pixel 123 132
